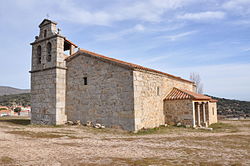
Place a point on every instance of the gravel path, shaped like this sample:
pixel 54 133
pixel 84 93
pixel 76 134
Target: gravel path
pixel 22 144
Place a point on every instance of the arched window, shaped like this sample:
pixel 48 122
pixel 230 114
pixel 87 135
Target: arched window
pixel 45 33
pixel 39 55
pixel 48 52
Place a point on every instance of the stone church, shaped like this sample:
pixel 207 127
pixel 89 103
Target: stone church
pixel 71 84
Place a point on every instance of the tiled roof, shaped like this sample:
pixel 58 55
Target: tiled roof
pixel 4 111
pixel 70 42
pixel 213 100
pixel 131 65
pixel 4 107
pixel 181 94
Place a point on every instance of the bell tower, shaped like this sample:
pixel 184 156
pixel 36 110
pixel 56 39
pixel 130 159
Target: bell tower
pixel 48 75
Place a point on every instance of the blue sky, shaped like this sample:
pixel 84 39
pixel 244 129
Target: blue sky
pixel 210 37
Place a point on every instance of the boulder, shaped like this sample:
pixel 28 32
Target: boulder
pixel 98 126
pixel 78 122
pixel 89 124
pixel 70 123
pixel 178 124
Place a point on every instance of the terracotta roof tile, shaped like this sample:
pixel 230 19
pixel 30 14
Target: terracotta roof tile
pixel 131 65
pixel 70 42
pixel 181 94
pixel 213 100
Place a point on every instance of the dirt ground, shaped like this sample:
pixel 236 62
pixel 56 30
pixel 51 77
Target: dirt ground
pixel 24 144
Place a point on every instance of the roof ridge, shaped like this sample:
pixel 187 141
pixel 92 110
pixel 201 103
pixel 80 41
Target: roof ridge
pixel 135 66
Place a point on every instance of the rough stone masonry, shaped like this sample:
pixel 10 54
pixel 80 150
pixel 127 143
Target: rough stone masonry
pixel 90 87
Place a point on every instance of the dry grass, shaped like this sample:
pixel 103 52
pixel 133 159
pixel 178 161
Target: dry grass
pixel 35 134
pixel 15 120
pixel 224 127
pixel 5 160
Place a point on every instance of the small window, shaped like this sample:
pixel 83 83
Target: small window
pixel 39 55
pixel 213 110
pixel 45 33
pixel 49 52
pixel 85 80
pixel 158 91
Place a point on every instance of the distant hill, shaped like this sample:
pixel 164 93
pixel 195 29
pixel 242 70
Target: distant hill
pixel 5 90
pixel 232 107
pixel 17 99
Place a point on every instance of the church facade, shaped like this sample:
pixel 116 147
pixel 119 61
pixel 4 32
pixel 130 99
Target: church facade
pixel 87 86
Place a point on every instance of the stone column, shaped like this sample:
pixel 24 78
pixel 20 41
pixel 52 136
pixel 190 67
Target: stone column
pixel 199 117
pixel 72 50
pixel 194 125
pixel 204 114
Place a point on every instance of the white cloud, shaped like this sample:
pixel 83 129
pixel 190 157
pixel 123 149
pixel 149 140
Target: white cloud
pixel 241 7
pixel 203 16
pixel 147 10
pixel 139 27
pixel 118 35
pixel 178 36
pixel 246 49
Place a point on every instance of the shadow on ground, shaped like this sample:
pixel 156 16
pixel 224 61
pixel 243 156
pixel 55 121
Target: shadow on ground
pixel 16 121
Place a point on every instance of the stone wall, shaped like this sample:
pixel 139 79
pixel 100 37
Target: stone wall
pixel 212 112
pixel 150 89
pixel 108 96
pixel 48 97
pixel 43 97
pixel 178 111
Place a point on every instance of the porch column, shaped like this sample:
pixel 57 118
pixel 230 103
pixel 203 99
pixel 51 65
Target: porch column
pixel 199 116
pixel 194 125
pixel 204 114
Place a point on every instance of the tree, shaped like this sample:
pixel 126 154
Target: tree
pixel 195 77
pixel 18 110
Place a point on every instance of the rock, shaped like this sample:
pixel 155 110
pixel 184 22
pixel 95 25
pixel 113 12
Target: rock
pixel 178 124
pixel 210 129
pixel 98 126
pixel 89 124
pixel 103 127
pixel 206 128
pixel 187 126
pixel 70 122
pixel 166 125
pixel 78 122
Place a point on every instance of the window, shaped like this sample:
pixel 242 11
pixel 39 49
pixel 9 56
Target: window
pixel 48 52
pixel 213 110
pixel 39 55
pixel 85 80
pixel 158 91
pixel 45 33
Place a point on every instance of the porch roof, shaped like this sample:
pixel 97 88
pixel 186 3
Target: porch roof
pixel 181 94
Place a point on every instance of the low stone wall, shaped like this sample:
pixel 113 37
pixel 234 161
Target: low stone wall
pixel 176 111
